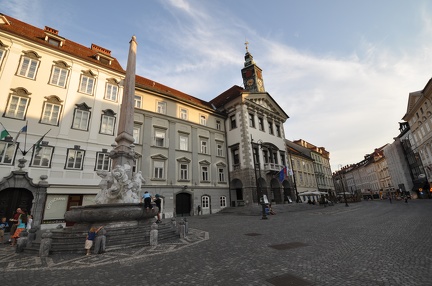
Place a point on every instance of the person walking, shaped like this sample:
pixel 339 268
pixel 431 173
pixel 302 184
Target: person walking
pixel 158 202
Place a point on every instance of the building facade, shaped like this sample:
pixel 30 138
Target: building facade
pixel 255 139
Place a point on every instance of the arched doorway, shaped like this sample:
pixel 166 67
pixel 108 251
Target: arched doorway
pixel 237 193
pixel 183 204
pixel 276 190
pixel 13 198
pixel 287 191
pixel 18 190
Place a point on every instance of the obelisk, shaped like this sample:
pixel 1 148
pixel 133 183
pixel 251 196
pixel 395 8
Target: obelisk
pixel 124 152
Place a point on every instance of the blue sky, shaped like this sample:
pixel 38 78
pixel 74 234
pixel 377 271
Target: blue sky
pixel 342 70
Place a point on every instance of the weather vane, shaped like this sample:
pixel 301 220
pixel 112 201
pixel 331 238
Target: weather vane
pixel 246 44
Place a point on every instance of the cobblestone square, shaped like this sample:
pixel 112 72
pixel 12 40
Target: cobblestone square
pixel 367 243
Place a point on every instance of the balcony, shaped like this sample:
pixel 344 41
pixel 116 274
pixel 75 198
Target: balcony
pixel 272 167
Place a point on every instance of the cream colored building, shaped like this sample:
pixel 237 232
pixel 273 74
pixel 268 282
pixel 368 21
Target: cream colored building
pixel 69 96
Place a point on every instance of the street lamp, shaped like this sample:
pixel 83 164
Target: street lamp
pixel 343 187
pixel 257 167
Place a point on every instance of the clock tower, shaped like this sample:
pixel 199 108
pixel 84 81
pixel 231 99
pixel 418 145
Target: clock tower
pixel 252 74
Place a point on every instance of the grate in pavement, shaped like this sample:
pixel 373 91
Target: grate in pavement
pixel 288 280
pixel 253 234
pixel 286 246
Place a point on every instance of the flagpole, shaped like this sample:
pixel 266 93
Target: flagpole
pixel 25 138
pixel 37 142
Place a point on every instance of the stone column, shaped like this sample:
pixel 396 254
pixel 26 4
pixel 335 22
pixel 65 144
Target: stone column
pixel 45 244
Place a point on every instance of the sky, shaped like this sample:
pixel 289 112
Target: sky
pixel 342 70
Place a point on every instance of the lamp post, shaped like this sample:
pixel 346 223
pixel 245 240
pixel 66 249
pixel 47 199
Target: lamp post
pixel 343 187
pixel 257 167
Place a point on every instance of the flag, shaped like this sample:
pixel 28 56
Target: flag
pixel 282 174
pixel 3 132
pixel 23 130
pixel 38 144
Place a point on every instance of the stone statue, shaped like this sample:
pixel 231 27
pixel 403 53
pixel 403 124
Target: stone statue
pixel 116 187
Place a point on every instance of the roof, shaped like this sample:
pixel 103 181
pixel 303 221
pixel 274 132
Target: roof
pixel 37 35
pixel 228 95
pixel 170 92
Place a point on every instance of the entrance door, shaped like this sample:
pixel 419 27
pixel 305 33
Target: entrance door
pixel 183 204
pixel 73 200
pixel 13 198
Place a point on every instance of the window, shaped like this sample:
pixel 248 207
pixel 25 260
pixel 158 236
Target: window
pixel 218 124
pixel 136 134
pixel 29 65
pixel 278 130
pixel 184 172
pixel 111 91
pixel 7 152
pixel 233 121
pixel 204 173
pixel 59 74
pixel 221 175
pixel 17 104
pixel 159 139
pixel 161 107
pixel 184 142
pixel 75 159
pixel 223 202
pixel 203 120
pixel 51 110
pixel 235 156
pixel 204 146
pixel 183 113
pixel 138 101
pixel 205 202
pixel 219 149
pixel 107 122
pixel 251 120
pixel 270 126
pixel 103 161
pixel 158 170
pixel 261 123
pixel 42 156
pixel 87 83
pixel 81 117
pixel 2 54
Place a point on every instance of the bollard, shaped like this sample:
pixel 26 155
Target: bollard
pixel 186 226
pixel 181 229
pixel 173 223
pixel 32 235
pixel 154 234
pixel 45 245
pixel 21 241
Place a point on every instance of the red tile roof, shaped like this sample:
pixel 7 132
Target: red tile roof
pixel 227 96
pixel 31 33
pixel 170 92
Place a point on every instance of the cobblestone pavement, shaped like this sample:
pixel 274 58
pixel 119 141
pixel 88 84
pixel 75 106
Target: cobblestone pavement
pixel 367 243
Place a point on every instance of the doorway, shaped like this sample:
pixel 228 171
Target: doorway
pixel 183 204
pixel 13 198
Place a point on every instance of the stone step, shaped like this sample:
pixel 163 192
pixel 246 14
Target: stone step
pixel 69 240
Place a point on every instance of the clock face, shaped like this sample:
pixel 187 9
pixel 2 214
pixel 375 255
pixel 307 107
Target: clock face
pixel 250 82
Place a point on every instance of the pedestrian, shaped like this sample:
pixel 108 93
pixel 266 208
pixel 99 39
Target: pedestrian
pixel 3 226
pixel 147 200
pixel 158 202
pixel 14 223
pixel 29 222
pixel 406 199
pixel 390 198
pixel 91 235
pixel 22 221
